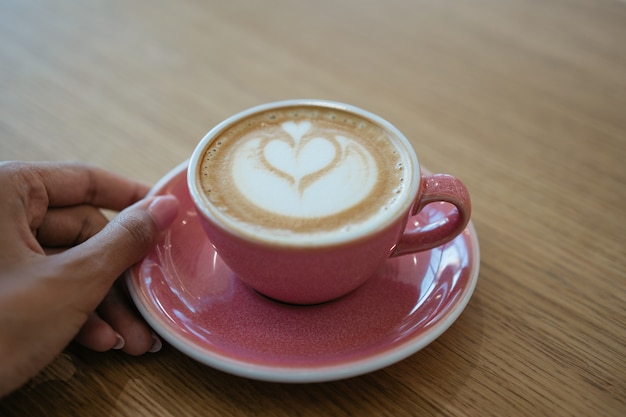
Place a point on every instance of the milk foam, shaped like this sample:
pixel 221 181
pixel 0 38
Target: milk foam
pixel 303 176
pixel 298 174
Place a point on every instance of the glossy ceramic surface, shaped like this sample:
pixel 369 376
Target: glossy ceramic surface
pixel 198 305
pixel 309 267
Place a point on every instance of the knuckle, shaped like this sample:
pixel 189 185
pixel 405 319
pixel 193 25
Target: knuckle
pixel 140 230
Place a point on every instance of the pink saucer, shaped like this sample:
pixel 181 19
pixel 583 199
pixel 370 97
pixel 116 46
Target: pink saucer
pixel 190 298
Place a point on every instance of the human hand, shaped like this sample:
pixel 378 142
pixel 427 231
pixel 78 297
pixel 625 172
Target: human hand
pixel 60 258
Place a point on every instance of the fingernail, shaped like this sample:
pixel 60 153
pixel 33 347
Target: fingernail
pixel 156 344
pixel 120 342
pixel 163 210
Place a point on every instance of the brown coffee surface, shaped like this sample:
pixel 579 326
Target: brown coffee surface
pixel 305 170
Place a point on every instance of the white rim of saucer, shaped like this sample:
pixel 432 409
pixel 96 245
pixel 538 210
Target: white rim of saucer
pixel 313 374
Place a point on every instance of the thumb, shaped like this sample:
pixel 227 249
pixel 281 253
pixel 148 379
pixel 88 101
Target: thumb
pixel 123 241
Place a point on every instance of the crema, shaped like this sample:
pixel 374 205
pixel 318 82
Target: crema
pixel 296 173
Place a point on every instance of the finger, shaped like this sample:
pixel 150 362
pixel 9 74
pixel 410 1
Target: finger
pixel 69 184
pixel 23 204
pixel 70 226
pixel 96 334
pixel 117 311
pixel 124 241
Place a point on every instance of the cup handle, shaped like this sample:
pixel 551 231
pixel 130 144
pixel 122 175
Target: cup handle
pixel 435 188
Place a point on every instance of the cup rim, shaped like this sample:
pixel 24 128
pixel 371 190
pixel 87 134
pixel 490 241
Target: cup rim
pixel 224 223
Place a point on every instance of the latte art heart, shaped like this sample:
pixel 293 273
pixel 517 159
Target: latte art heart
pixel 301 175
pixel 299 162
pixel 298 174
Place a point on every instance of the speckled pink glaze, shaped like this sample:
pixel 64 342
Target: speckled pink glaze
pixel 195 302
pixel 312 274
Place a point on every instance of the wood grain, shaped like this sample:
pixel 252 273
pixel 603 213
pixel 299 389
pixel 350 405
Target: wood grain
pixel 525 100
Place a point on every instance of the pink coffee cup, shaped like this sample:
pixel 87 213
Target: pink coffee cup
pixel 323 266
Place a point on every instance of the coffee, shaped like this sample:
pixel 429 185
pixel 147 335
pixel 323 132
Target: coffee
pixel 306 174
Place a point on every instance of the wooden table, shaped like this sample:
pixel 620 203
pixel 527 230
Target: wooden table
pixel 525 100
